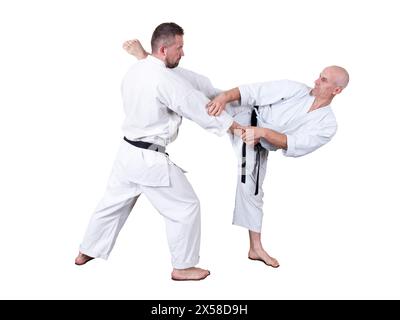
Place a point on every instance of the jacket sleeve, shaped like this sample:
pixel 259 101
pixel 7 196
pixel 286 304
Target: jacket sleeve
pixel 304 142
pixel 181 98
pixel 198 82
pixel 265 93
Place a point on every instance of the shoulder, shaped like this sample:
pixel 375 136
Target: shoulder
pixel 172 84
pixel 331 116
pixel 191 76
pixel 328 121
pixel 295 86
pixel 139 67
pixel 182 71
pixel 285 85
pixel 173 76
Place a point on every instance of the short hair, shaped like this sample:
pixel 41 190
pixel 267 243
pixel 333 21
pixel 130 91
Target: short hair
pixel 164 34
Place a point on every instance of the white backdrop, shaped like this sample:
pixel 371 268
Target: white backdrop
pixel 331 218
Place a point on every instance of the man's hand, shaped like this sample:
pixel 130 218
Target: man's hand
pixel 135 48
pixel 217 105
pixel 252 135
pixel 237 129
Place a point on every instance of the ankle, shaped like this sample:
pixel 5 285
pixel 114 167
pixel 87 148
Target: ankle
pixel 256 247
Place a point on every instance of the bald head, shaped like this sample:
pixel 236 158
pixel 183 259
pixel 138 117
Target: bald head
pixel 338 75
pixel 332 80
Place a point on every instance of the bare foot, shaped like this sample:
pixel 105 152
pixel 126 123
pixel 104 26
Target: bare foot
pixel 189 274
pixel 263 256
pixel 135 48
pixel 82 258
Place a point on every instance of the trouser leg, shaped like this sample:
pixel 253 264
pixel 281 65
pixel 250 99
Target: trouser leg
pixel 180 207
pixel 248 211
pixel 110 215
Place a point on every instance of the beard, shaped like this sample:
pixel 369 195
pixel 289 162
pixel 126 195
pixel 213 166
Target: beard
pixel 171 65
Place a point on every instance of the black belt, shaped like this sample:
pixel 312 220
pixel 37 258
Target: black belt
pixel 257 149
pixel 146 145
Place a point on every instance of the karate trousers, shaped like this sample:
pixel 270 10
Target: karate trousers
pixel 248 211
pixel 177 203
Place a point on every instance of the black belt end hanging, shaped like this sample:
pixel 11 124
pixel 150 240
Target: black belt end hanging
pixel 257 149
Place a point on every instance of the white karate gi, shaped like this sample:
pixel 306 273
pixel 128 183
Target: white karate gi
pixel 283 107
pixel 155 99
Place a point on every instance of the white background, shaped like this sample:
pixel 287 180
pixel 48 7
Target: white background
pixel 331 218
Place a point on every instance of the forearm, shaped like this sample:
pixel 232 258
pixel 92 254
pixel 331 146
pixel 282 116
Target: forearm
pixel 192 106
pixel 231 95
pixel 277 139
pixel 217 105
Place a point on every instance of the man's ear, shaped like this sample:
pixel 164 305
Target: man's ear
pixel 163 50
pixel 337 90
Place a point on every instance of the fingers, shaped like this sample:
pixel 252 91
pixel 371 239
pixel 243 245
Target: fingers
pixel 214 109
pixel 238 132
pixel 218 111
pixel 248 136
pixel 129 43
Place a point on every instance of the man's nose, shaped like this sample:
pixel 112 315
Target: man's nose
pixel 182 54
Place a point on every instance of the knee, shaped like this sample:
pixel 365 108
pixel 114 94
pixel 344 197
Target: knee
pixel 248 188
pixel 192 210
pixel 247 193
pixel 195 206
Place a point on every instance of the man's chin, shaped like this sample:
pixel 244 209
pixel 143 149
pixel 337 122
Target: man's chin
pixel 172 66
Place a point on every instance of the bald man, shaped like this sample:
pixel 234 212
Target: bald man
pixel 283 115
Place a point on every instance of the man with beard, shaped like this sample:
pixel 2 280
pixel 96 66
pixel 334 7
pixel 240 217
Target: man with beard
pixel 155 99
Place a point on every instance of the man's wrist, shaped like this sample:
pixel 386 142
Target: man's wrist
pixel 235 126
pixel 223 98
pixel 264 133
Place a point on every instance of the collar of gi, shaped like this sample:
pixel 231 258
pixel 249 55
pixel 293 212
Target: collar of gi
pixel 156 60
